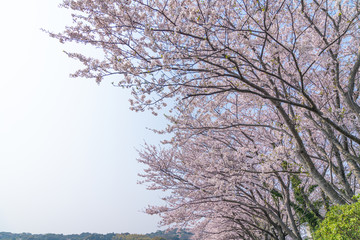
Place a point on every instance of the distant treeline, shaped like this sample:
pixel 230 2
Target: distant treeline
pixel 159 235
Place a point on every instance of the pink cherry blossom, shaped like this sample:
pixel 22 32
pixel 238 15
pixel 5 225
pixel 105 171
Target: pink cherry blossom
pixel 265 95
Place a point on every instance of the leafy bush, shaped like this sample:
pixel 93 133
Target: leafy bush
pixel 342 222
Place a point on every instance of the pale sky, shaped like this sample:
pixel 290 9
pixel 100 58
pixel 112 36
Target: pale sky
pixel 67 146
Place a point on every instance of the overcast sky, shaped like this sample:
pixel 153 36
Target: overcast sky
pixel 67 146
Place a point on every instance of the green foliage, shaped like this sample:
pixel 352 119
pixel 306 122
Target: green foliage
pixel 300 206
pixel 174 234
pixel 312 188
pixel 285 165
pixel 276 194
pixel 342 222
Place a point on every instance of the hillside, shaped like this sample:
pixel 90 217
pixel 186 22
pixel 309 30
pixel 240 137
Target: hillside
pixel 159 235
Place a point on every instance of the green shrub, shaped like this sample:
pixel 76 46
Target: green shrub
pixel 342 222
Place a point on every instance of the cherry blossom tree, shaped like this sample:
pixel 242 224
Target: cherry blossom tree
pixel 265 105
